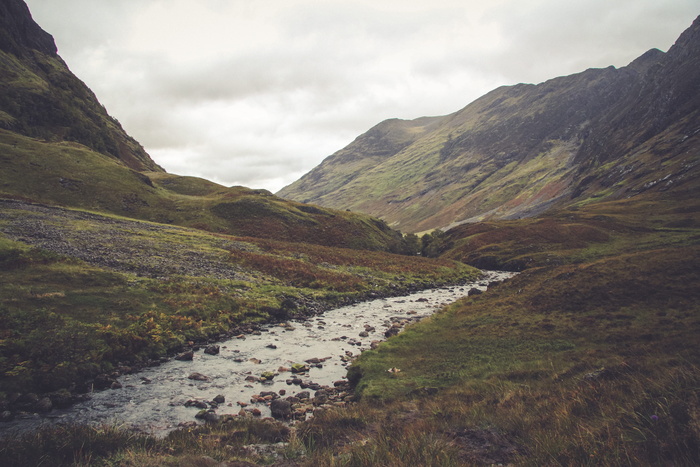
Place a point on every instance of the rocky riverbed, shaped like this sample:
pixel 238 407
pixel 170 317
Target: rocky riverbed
pixel 287 370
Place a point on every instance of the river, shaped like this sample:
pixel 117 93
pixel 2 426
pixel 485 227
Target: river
pixel 154 400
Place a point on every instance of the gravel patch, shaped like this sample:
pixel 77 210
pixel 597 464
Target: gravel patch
pixel 142 248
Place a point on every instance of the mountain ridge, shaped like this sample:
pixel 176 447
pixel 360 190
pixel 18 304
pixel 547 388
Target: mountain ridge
pixel 520 150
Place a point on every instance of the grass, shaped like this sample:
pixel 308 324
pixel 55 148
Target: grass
pixel 573 365
pixel 542 370
pixel 70 174
pixel 589 361
pixel 578 235
pixel 141 301
pixel 110 445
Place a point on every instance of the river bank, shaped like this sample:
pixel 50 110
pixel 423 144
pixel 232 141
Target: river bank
pixel 300 364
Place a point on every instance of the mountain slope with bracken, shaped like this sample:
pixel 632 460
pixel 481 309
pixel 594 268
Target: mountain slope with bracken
pixel 520 150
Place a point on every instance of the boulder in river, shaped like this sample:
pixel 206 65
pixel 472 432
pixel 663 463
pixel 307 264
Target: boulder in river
pixel 44 405
pixel 185 356
pixel 299 368
pixel 212 349
pixel 220 399
pixel 198 377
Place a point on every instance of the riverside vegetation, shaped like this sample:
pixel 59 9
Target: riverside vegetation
pixel 588 357
pixel 160 287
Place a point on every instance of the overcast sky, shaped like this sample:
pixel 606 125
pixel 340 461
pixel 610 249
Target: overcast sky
pixel 259 92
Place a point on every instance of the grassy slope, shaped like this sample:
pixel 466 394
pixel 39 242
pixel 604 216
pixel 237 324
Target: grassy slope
pixel 587 360
pixel 580 234
pixel 574 365
pixel 587 357
pixel 158 287
pixel 70 174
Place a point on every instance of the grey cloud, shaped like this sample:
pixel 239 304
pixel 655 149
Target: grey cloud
pixel 260 111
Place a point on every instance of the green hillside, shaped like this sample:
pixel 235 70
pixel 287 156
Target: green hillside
pixel 69 174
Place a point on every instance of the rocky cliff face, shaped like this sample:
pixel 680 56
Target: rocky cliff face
pixel 41 98
pixel 520 150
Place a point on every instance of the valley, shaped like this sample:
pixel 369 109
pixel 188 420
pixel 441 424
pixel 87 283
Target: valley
pixel 125 289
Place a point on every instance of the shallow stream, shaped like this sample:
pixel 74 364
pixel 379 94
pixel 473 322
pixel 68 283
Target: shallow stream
pixel 153 400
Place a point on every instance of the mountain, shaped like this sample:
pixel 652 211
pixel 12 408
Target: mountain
pixel 41 98
pixel 520 150
pixel 59 146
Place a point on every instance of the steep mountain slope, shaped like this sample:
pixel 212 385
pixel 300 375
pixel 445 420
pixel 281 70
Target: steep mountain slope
pixel 58 145
pixel 520 150
pixel 40 97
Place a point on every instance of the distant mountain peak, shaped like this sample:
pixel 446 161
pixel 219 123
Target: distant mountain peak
pixel 645 61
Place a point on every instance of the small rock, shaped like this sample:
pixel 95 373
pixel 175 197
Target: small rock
pixel 392 331
pixel 211 417
pixel 269 395
pixel 196 403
